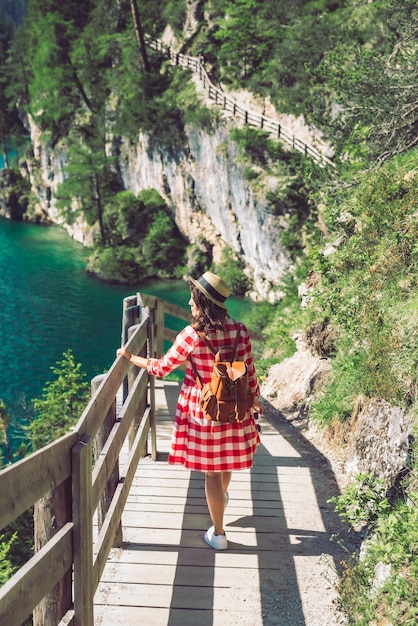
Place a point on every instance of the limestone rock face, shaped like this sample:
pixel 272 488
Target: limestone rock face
pixel 206 189
pixel 380 441
pixel 202 182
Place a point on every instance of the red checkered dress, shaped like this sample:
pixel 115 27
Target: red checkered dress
pixel 197 443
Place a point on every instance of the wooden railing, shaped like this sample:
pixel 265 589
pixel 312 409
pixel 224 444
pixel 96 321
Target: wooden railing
pixel 96 490
pixel 251 118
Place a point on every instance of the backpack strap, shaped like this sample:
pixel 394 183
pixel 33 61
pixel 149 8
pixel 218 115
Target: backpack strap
pixel 214 352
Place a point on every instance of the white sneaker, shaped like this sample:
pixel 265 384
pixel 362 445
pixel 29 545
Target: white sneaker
pixel 217 542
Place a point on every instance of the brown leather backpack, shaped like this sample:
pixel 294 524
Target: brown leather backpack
pixel 226 398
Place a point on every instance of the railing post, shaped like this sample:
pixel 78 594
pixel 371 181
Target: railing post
pixel 151 382
pixel 98 443
pixel 83 533
pixel 130 317
pixel 51 513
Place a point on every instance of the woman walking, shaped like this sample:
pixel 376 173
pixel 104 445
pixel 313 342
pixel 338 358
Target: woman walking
pixel 200 444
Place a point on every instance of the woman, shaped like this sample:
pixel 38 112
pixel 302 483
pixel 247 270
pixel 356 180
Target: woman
pixel 198 443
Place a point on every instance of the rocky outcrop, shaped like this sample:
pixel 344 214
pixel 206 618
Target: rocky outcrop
pixel 380 441
pixel 377 437
pixel 290 385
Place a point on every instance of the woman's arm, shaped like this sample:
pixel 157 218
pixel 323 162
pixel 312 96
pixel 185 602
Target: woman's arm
pixel 180 350
pixel 140 361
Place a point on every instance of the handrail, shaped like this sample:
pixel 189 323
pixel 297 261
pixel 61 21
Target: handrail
pixel 250 118
pixel 71 551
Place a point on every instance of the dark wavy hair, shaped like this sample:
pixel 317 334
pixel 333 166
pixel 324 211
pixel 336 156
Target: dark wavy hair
pixel 211 316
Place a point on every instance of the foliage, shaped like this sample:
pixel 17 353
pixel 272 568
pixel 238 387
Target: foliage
pixel 175 13
pixel 363 502
pixel 377 90
pixel 6 568
pixel 143 240
pixel 392 548
pixel 8 422
pixel 4 428
pixel 367 288
pixel 337 398
pixel 62 403
pixel 16 543
pixel 231 266
pixel 269 47
pixel 280 323
pixel 89 184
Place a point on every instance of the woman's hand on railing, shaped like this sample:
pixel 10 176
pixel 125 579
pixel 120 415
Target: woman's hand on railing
pixel 137 360
pixel 124 352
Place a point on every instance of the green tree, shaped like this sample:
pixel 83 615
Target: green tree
pixel 163 247
pixel 371 75
pixel 143 239
pixel 9 121
pixel 89 184
pixel 240 34
pixel 62 403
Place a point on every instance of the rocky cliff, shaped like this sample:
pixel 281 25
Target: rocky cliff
pixel 203 183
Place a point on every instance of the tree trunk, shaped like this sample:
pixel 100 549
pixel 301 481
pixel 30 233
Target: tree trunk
pixel 50 515
pixel 140 37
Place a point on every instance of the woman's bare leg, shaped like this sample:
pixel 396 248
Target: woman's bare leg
pixel 215 497
pixel 226 479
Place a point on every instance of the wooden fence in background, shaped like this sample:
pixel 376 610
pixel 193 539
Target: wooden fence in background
pixel 251 118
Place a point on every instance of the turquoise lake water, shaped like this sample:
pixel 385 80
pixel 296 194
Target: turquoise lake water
pixel 50 304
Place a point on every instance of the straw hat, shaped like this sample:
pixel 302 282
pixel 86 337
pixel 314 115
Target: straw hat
pixel 213 287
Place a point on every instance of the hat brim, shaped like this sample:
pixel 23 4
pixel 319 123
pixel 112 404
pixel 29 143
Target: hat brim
pixel 207 294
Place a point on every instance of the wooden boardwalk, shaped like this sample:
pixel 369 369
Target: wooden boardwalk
pixel 280 566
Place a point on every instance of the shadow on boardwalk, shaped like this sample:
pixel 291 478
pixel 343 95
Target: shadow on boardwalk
pixel 280 566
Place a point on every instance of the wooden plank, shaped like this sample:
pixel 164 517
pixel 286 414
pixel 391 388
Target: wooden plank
pixel 143 573
pixel 68 619
pixel 152 519
pixel 28 480
pixel 242 539
pixel 150 504
pixel 202 598
pixel 157 616
pixel 20 594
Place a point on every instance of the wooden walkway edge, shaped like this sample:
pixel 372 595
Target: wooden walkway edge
pixel 280 559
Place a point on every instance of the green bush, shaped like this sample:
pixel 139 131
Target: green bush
pixel 393 546
pixel 231 268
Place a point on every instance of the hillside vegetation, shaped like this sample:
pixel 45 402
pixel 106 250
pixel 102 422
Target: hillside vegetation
pixel 350 67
